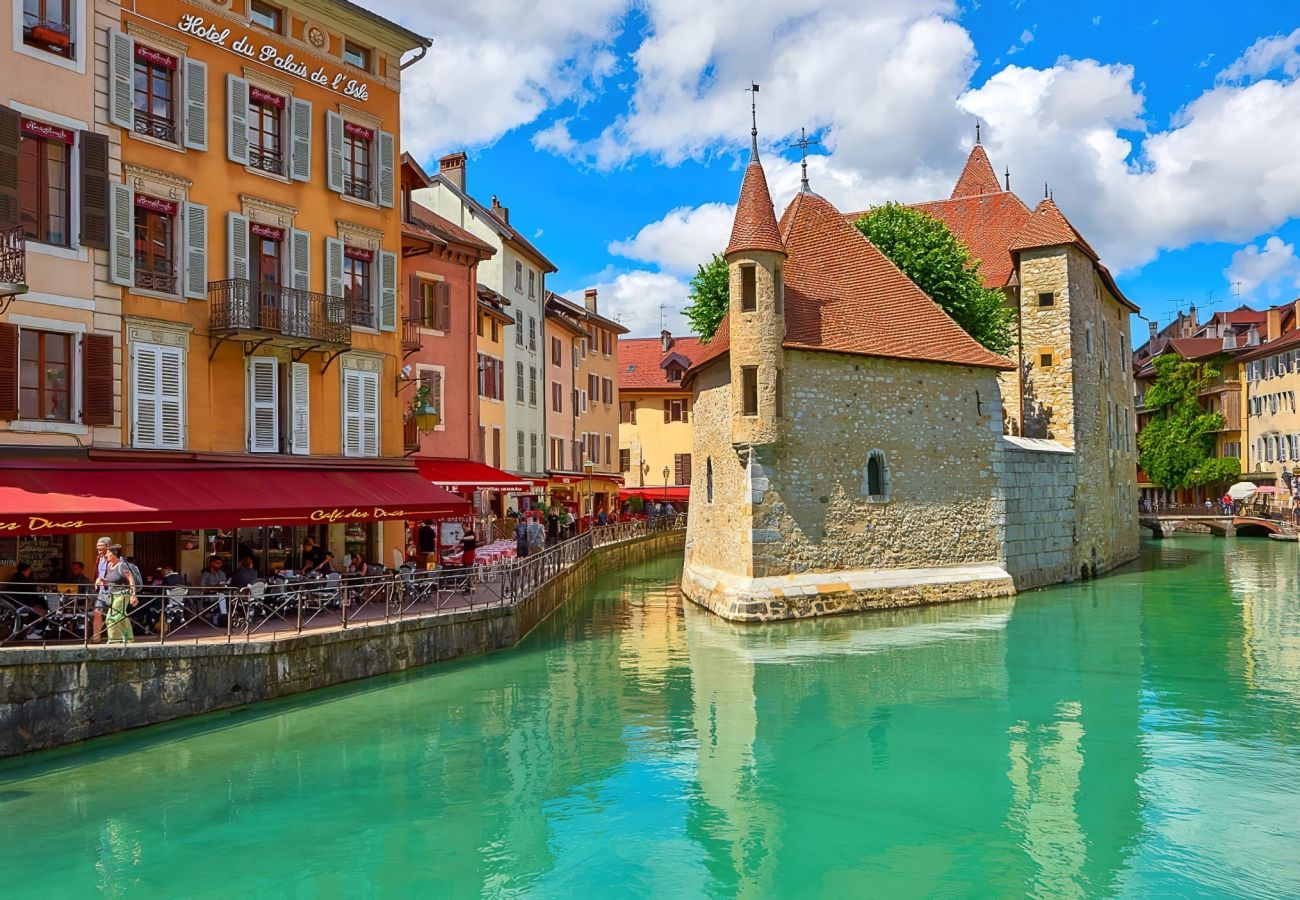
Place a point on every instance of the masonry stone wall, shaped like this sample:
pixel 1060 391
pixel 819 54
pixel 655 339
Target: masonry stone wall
pixel 755 340
pixel 718 529
pixel 1037 480
pixel 1047 404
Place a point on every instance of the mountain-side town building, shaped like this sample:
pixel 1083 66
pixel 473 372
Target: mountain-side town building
pixel 655 440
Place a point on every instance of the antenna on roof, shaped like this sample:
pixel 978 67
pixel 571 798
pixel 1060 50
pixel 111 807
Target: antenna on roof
pixel 803 144
pixel 1236 289
pixel 753 114
pixel 662 306
pixel 1008 177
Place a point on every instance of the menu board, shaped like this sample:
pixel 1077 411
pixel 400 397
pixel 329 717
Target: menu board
pixel 48 554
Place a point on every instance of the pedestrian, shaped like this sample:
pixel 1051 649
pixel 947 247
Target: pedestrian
pixel 101 594
pixel 468 545
pixel 521 538
pixel 552 527
pixel 122 584
pixel 536 535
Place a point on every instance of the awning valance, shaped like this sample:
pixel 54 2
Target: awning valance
pixel 673 492
pixel 80 496
pixel 467 473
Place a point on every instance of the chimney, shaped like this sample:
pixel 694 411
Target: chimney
pixel 665 341
pixel 589 299
pixel 1191 315
pixel 501 212
pixel 1229 340
pixel 1151 327
pixel 1273 323
pixel 453 166
pixel 1252 336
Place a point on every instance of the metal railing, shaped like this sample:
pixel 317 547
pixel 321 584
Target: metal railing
pixel 275 608
pixel 238 304
pixel 411 333
pixel 155 126
pixel 13 256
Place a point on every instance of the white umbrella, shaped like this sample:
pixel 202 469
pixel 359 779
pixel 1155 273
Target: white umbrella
pixel 1241 490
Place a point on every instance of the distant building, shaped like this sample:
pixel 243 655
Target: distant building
pixel 655 414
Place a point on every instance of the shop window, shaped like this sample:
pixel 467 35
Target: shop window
pixel 356 55
pixel 265 131
pixel 269 17
pixel 749 390
pixel 356 161
pixel 155 94
pixel 357 286
pixel 155 244
pixel 44 175
pixel 45 375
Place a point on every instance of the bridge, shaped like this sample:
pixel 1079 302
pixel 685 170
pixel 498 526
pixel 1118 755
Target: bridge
pixel 1166 522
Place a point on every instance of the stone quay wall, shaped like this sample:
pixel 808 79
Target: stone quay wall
pixel 1037 479
pixel 55 696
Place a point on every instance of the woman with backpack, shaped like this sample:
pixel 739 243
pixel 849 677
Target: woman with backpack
pixel 122 583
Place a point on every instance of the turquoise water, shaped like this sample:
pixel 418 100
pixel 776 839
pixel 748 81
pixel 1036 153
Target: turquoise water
pixel 1135 735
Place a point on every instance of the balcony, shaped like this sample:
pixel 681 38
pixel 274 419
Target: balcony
pixel 13 261
pixel 358 189
pixel 259 311
pixel 155 126
pixel 411 334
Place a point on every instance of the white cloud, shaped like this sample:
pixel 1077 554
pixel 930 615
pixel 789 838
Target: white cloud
pixel 1279 53
pixel 1026 38
pixel 1270 268
pixel 634 299
pixel 682 240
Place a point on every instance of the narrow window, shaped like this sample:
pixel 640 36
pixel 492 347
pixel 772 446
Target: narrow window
pixel 265 151
pixel 45 376
pixel 780 396
pixel 264 14
pixel 625 460
pixel 155 246
pixel 749 390
pixel 1047 298
pixel 748 289
pixel 356 161
pixel 44 174
pixel 519 275
pixel 356 55
pixel 155 93
pixel 356 286
pixel 1046 360
pixel 708 480
pixel 875 481
pixel 779 292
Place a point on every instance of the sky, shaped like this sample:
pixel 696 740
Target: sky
pixel 616 131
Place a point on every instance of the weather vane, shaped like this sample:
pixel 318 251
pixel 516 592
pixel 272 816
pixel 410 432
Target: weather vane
pixel 803 144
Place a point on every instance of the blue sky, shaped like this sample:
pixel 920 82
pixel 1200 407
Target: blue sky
pixel 614 131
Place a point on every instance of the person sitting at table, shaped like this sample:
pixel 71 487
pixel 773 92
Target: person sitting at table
pixel 246 574
pixel 312 555
pixel 169 577
pixel 213 575
pixel 77 575
pixel 22 593
pixel 359 567
pixel 325 566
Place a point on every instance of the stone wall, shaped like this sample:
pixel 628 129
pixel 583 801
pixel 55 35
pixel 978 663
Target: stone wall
pixel 718 530
pixel 1037 496
pixel 1047 404
pixel 56 696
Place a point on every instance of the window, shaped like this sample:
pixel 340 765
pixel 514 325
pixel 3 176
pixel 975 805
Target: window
pixel 1087 338
pixel 532 283
pixel 592 440
pixel 356 55
pixel 674 410
pixel 625 460
pixel 157 397
pixel 519 275
pixel 356 286
pixel 556 454
pixel 875 480
pixel 424 310
pixel 1047 298
pixel 155 94
pixel 356 161
pixel 532 333
pixel 780 396
pixel 360 413
pixel 609 447
pixel 519 393
pixel 45 375
pixel 674 372
pixel 519 454
pixel 155 244
pixel 44 175
pixel 496 447
pixel 555 351
pixel 557 397
pixel 627 412
pixel 265 118
pixel 532 385
pixel 47 25
pixel 519 334
pixel 481 320
pixel 266 15
pixel 490 372
pixel 1046 359
pixel 532 452
pixel 749 390
pixel 779 288
pixel 708 480
pixel 582 407
pixel 748 289
pixel 681 468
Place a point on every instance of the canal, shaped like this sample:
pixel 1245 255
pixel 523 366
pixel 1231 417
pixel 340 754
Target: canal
pixel 1135 735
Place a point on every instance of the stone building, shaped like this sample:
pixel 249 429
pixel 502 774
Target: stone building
pixel 849 446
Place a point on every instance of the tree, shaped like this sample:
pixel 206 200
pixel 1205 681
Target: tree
pixel 710 293
pixel 1176 448
pixel 929 254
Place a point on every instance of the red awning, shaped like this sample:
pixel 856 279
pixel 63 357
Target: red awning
pixel 466 473
pixel 75 496
pixel 657 493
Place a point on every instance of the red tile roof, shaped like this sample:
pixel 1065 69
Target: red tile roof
pixel 1242 317
pixel 977 177
pixel 1196 348
pixel 717 346
pixel 443 230
pixel 1048 227
pixel 639 362
pixel 1287 340
pixel 986 225
pixel 755 225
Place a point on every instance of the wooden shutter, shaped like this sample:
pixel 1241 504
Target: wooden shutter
pixel 144 396
pixel 237 119
pixel 94 190
pixel 121 79
pixel 196 251
pixel 97 379
pixel 668 411
pixel 686 410
pixel 442 306
pixel 387 291
pixel 300 258
pixel 333 267
pixel 8 371
pixel 435 391
pixel 682 468
pixel 121 263
pixel 334 151
pixel 413 299
pixel 263 404
pixel 351 413
pixel 300 126
pixel 171 397
pixel 196 104
pixel 9 131
pixel 387 168
pixel 300 416
pixel 237 263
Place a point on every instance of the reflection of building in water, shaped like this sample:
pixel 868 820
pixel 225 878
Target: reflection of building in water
pixel 1266 582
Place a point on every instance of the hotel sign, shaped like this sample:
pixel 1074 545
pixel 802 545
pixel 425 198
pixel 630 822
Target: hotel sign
pixel 271 56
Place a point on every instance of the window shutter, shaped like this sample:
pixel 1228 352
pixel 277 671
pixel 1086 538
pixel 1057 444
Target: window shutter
pixel 263 404
pixel 171 397
pixel 300 417
pixel 686 410
pixel 121 79
pixel 668 411
pixel 121 264
pixel 196 104
pixel 351 413
pixel 370 414
pixel 413 297
pixel 387 291
pixel 300 158
pixel 144 396
pixel 8 371
pixel 334 149
pixel 435 391
pixel 237 265
pixel 237 119
pixel 94 190
pixel 333 267
pixel 387 168
pixel 97 379
pixel 300 259
pixel 196 251
pixel 442 295
pixel 9 131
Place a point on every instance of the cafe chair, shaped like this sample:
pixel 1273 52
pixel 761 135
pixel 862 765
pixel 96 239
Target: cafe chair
pixel 330 593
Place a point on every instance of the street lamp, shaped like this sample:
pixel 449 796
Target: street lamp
pixel 667 472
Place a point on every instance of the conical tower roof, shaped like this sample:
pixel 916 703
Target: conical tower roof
pixel 977 177
pixel 755 224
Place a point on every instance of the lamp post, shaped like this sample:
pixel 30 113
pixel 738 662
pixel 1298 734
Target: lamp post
pixel 667 472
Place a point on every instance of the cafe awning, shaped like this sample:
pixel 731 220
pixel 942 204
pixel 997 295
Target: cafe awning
pixel 672 492
pixel 58 497
pixel 467 473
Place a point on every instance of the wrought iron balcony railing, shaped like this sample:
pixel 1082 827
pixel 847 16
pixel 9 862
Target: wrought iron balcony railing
pixel 240 305
pixel 13 261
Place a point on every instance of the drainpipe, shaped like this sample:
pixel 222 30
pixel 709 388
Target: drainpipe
pixel 416 58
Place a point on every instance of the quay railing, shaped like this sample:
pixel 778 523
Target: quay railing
pixel 276 608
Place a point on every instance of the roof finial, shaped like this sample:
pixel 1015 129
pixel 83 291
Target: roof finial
pixel 1046 192
pixel 803 144
pixel 977 131
pixel 753 113
pixel 1007 175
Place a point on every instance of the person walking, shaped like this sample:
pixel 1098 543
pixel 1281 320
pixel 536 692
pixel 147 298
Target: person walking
pixel 122 585
pixel 101 594
pixel 536 535
pixel 521 538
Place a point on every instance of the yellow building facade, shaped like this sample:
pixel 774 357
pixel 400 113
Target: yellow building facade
pixel 655 415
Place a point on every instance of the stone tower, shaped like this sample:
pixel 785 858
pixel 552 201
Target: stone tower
pixel 755 258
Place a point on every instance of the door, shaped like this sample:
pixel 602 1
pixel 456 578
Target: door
pixel 269 261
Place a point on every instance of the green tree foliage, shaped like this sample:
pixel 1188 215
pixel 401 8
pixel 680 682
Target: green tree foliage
pixel 929 254
pixel 710 290
pixel 1176 449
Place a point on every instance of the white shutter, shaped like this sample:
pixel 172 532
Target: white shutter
pixel 121 264
pixel 300 259
pixel 121 79
pixel 352 441
pixel 334 149
pixel 196 104
pixel 333 267
pixel 369 414
pixel 387 291
pixel 144 395
pixel 300 416
pixel 196 251
pixel 387 168
pixel 171 398
pixel 263 404
pixel 237 119
pixel 300 126
pixel 157 397
pixel 237 265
